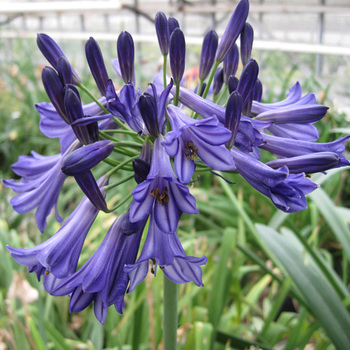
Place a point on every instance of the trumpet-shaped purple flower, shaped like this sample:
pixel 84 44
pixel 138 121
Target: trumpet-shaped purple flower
pixel 59 255
pixel 102 279
pixel 190 137
pixel 126 106
pixel 161 194
pixel 287 191
pixel 165 251
pixel 39 186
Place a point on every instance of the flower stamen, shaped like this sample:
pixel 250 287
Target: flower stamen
pixel 190 150
pixel 162 197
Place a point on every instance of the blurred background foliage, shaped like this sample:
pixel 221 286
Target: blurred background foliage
pixel 281 284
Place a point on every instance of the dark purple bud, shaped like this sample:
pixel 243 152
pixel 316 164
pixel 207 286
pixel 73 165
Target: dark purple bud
pixel 233 116
pixel 258 89
pixel 86 157
pixel 64 69
pixel 55 90
pixel 231 63
pixel 172 25
pixel 246 84
pixel 247 37
pixel 218 80
pixel 97 66
pixel 141 169
pixel 162 31
pixel 148 109
pixel 142 164
pixel 125 48
pixel 232 83
pixel 88 185
pixel 85 133
pixel 177 53
pixel 53 52
pixel 210 44
pixel 233 29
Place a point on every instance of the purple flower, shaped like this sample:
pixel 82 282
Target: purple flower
pixel 164 249
pixel 102 278
pixel 191 137
pixel 172 24
pixel 233 29
pixel 39 186
pixel 161 194
pixel 96 63
pixel 59 255
pixel 125 48
pixel 177 53
pixel 209 46
pixel 287 191
pixel 126 106
pixel 142 165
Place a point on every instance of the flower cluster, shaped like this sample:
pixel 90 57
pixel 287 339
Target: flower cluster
pixel 221 125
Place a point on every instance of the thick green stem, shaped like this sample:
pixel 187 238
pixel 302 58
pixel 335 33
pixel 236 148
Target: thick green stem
pixel 170 315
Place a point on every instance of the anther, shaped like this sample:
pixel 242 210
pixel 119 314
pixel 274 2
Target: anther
pixel 190 150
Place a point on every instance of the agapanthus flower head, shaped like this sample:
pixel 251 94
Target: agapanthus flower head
pixel 247 38
pixel 177 53
pixel 162 30
pixel 97 66
pixel 233 29
pixel 209 46
pixel 53 52
pixel 125 49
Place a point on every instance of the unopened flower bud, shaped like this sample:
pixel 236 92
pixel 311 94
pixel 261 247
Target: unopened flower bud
pixel 247 37
pixel 125 48
pixel 162 31
pixel 177 53
pixel 97 66
pixel 231 63
pixel 210 44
